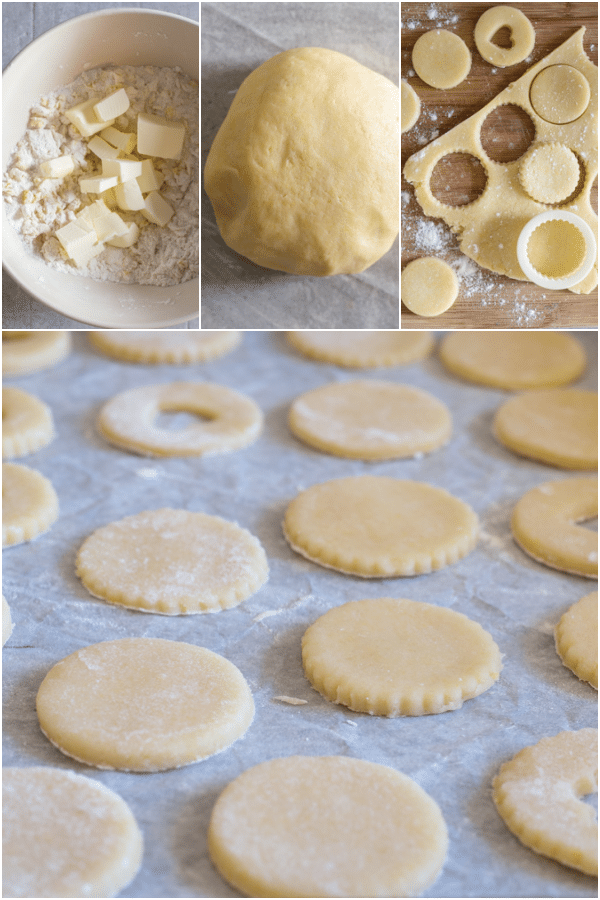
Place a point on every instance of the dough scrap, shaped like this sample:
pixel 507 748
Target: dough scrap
pixel 390 527
pixel 29 504
pixel 27 423
pixel 303 173
pixel 410 106
pixel 429 286
pixel 522 36
pixel 558 427
pixel 370 420
pixel 560 94
pixel 549 173
pixel 363 350
pixel 128 419
pixel 143 704
pixel 391 657
pixel 7 625
pixel 65 835
pixel 543 524
pixel 513 360
pixel 173 562
pixel 576 637
pixel 327 826
pixel 538 793
pixel 441 59
pixel 26 352
pixel 176 347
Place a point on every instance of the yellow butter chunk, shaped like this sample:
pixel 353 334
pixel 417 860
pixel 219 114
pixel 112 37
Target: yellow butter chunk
pixel 57 168
pixel 159 137
pixel 97 184
pixel 129 195
pixel 122 140
pixel 124 169
pixel 110 107
pixel 79 243
pixel 150 179
pixel 83 117
pixel 102 149
pixel 128 238
pixel 110 226
pixel 157 210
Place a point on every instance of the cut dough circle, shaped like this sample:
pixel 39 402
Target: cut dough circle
pixel 538 793
pixel 390 527
pixel 29 504
pixel 514 361
pixel 174 347
pixel 26 352
pixel 429 286
pixel 7 625
pixel 363 350
pixel 303 173
pixel 410 106
pixel 549 173
pixel 441 59
pixel 370 420
pixel 172 561
pixel 65 835
pixel 143 704
pixel 327 826
pixel 543 524
pixel 558 427
pixel 27 423
pixel 390 657
pixel 128 419
pixel 576 637
pixel 560 94
pixel 522 35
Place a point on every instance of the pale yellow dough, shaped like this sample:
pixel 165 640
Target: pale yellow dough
pixel 429 286
pixel 65 835
pixel 327 826
pixel 174 347
pixel 370 420
pixel 441 59
pixel 549 173
pixel 558 427
pixel 538 793
pixel 363 350
pixel 143 704
pixel 303 174
pixel 521 33
pixel 173 562
pixel 129 419
pixel 560 94
pixel 7 625
pixel 513 360
pixel 392 657
pixel 390 527
pixel 26 352
pixel 576 637
pixel 26 423
pixel 410 106
pixel 29 504
pixel 544 524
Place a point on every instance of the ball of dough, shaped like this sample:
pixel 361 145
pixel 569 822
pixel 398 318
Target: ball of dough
pixel 429 286
pixel 441 59
pixel 410 106
pixel 549 173
pixel 303 173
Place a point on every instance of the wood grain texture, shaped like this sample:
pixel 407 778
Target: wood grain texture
pixel 486 300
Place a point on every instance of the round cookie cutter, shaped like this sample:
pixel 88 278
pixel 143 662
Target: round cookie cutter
pixel 572 278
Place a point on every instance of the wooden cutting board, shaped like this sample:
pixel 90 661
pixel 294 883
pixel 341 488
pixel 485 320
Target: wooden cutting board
pixel 486 300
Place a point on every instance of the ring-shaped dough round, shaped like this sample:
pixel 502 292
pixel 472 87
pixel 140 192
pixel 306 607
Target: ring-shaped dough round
pixel 576 637
pixel 514 361
pixel 380 527
pixel 558 427
pixel 560 94
pixel 26 352
pixel 441 59
pixel 370 420
pixel 391 657
pixel 27 423
pixel 410 106
pixel 175 347
pixel 128 419
pixel 65 835
pixel 327 826
pixel 429 286
pixel 143 704
pixel 543 524
pixel 522 36
pixel 7 625
pixel 538 793
pixel 549 173
pixel 29 504
pixel 363 350
pixel 173 562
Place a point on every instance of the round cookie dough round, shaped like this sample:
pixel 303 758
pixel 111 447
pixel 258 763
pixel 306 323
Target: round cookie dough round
pixel 65 835
pixel 370 420
pixel 27 423
pixel 327 826
pixel 128 420
pixel 176 347
pixel 172 561
pixel 560 94
pixel 7 625
pixel 363 350
pixel 410 106
pixel 558 427
pixel 522 36
pixel 544 525
pixel 429 286
pixel 390 657
pixel 303 174
pixel 549 173
pixel 514 361
pixel 538 794
pixel 576 637
pixel 441 59
pixel 29 504
pixel 390 527
pixel 143 704
pixel 26 352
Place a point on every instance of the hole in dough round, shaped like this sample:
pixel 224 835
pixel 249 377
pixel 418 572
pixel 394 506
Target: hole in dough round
pixel 502 38
pixel 507 133
pixel 458 179
pixel 560 94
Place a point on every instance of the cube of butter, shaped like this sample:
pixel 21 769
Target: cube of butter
pixel 128 239
pixel 89 214
pixel 157 210
pixel 123 140
pixel 79 244
pixel 112 106
pixel 84 118
pixel 124 169
pixel 159 137
pixel 102 149
pixel 150 179
pixel 97 183
pixel 57 168
pixel 110 226
pixel 129 195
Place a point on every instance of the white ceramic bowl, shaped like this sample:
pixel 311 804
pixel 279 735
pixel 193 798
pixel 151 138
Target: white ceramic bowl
pixel 123 37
